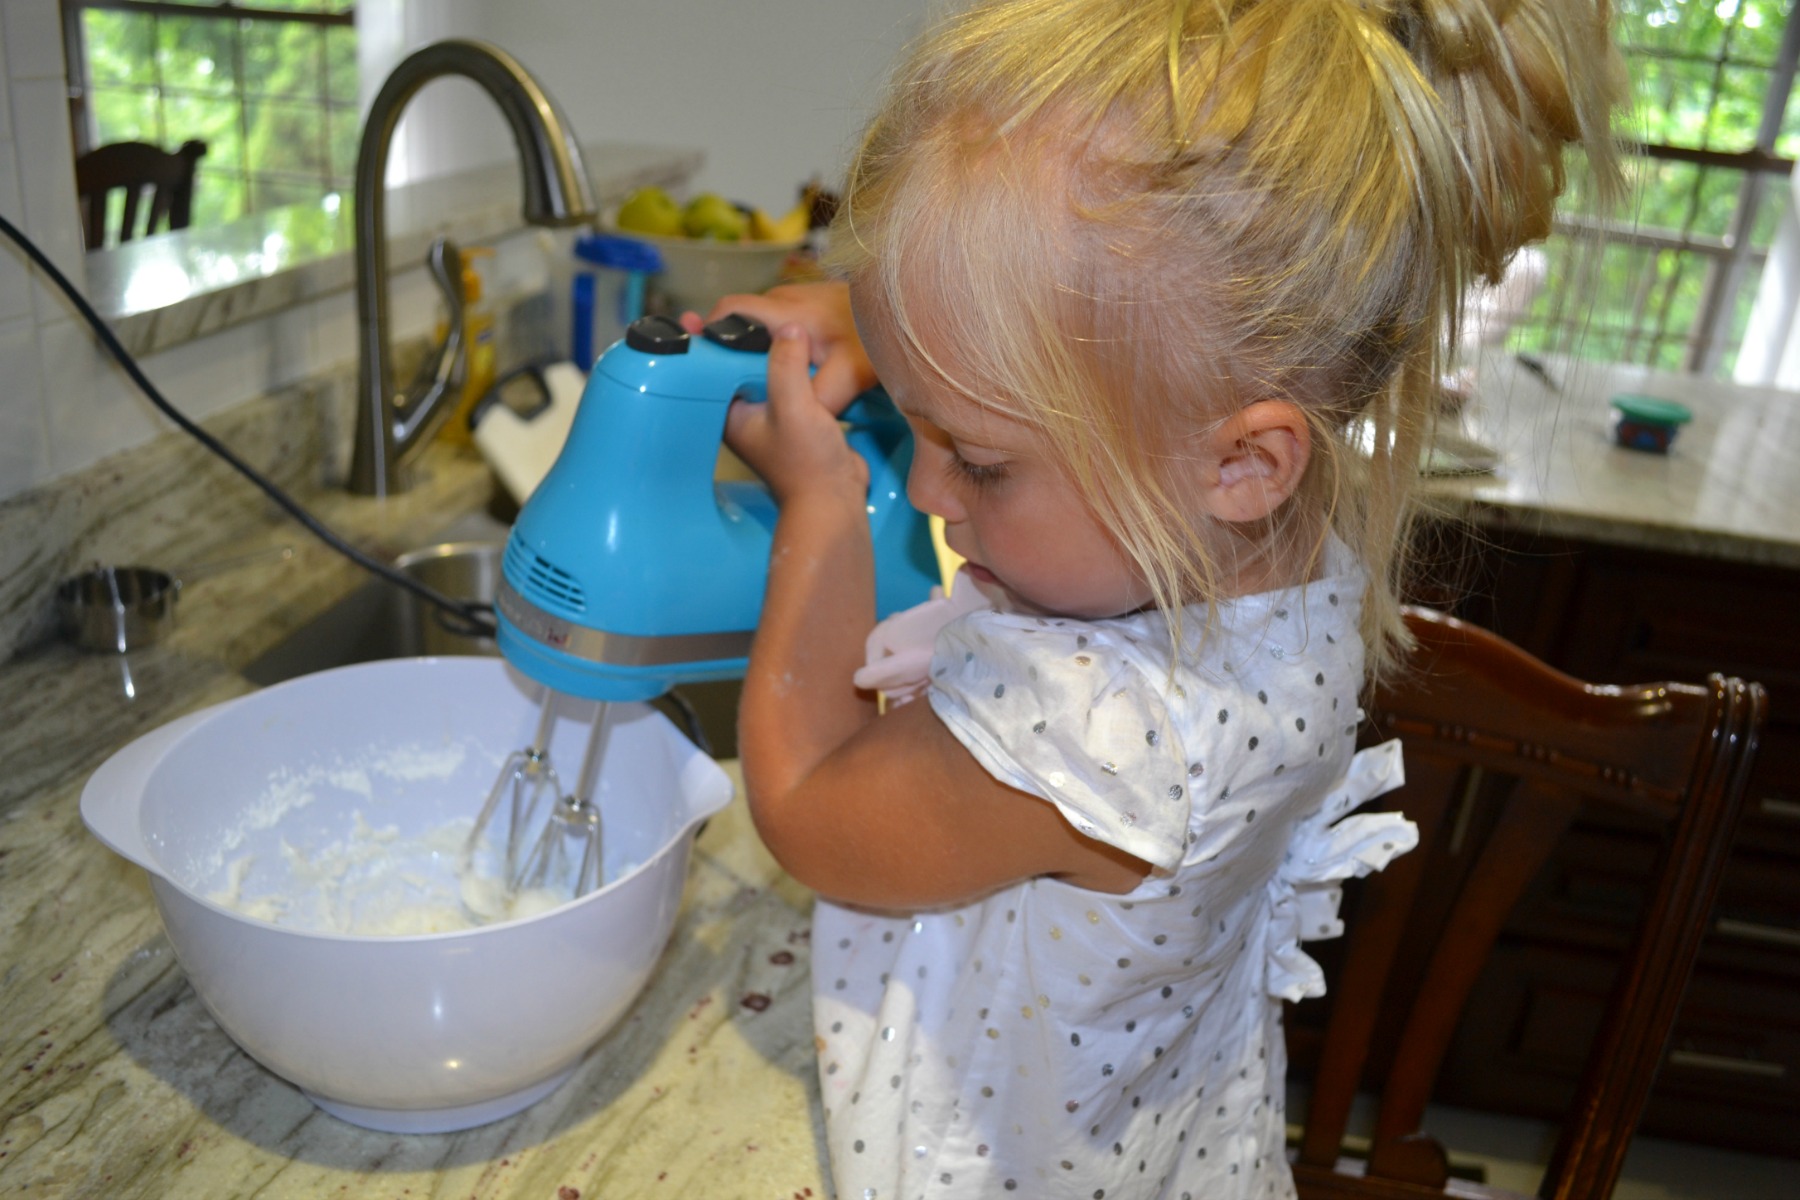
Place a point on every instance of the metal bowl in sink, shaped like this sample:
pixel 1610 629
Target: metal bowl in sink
pixel 379 621
pixel 462 570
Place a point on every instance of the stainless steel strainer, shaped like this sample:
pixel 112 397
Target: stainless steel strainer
pixel 115 609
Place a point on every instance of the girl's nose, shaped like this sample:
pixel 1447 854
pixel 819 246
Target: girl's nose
pixel 926 485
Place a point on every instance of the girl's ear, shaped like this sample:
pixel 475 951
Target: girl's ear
pixel 1256 459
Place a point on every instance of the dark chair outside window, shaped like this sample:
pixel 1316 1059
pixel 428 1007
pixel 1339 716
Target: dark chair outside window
pixel 137 169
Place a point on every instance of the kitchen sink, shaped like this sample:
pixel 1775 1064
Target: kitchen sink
pixel 380 620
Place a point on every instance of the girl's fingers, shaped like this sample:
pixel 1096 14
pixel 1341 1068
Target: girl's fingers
pixel 790 362
pixel 840 380
pixel 756 307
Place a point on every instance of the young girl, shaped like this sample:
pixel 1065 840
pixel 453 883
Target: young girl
pixel 1136 273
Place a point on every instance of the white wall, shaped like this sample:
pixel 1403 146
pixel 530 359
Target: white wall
pixel 773 92
pixel 37 194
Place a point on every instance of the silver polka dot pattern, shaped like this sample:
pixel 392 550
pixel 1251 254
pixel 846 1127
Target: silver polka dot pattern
pixel 1143 1109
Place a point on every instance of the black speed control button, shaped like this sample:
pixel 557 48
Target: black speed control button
pixel 656 335
pixel 737 332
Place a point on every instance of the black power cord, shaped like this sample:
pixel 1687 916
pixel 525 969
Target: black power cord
pixel 466 618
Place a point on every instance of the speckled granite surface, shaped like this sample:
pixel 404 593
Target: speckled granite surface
pixel 115 1082
pixel 1729 488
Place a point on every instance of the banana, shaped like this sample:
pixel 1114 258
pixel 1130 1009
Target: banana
pixel 790 227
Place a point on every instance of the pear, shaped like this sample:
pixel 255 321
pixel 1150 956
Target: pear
pixel 709 215
pixel 650 210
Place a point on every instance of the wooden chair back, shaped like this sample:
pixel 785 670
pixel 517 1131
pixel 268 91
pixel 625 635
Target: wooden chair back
pixel 1499 743
pixel 137 169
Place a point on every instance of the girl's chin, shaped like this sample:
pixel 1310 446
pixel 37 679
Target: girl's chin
pixel 986 582
pixel 1003 597
pixel 1007 600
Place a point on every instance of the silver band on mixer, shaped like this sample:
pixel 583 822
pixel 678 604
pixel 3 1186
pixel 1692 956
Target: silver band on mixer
pixel 617 649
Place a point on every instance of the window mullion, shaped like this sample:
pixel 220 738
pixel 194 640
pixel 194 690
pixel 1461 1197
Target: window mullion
pixel 1713 325
pixel 162 97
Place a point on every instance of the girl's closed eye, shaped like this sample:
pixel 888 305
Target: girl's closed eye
pixel 978 474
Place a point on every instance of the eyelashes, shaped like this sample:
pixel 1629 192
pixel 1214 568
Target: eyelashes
pixel 980 476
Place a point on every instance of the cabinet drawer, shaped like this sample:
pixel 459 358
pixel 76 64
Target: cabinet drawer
pixel 1733 1078
pixel 1589 895
pixel 1772 802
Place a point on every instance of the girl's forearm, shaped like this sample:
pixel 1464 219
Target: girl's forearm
pixel 799 703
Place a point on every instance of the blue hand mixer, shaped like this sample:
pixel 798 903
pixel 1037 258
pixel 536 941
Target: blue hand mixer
pixel 631 569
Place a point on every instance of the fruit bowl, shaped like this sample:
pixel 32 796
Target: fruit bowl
pixel 697 271
pixel 232 810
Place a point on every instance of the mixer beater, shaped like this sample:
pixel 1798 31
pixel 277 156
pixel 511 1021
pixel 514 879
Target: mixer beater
pixel 564 858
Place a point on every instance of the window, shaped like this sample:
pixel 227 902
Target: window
pixel 270 87
pixel 1676 275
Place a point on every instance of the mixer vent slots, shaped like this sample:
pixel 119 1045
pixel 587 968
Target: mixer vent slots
pixel 546 580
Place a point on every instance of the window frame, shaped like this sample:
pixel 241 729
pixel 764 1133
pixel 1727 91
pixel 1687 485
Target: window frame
pixel 1728 260
pixel 80 82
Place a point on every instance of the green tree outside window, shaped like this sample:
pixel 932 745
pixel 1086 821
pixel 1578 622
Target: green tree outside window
pixel 271 92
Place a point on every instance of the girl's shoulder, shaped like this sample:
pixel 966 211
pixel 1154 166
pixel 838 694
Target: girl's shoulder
pixel 1223 644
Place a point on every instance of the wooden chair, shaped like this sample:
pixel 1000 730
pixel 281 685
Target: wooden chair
pixel 1498 742
pixel 136 167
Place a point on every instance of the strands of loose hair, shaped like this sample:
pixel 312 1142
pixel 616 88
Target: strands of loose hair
pixel 1120 221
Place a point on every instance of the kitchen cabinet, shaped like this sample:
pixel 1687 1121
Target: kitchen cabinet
pixel 1621 567
pixel 1732 1077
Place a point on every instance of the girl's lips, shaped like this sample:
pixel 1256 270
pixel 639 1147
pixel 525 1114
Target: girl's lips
pixel 980 573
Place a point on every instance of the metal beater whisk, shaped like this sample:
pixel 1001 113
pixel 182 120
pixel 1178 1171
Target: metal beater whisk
pixel 565 854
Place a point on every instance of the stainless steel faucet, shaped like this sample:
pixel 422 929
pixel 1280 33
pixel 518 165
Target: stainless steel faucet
pixel 392 427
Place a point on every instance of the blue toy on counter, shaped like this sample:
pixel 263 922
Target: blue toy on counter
pixel 631 569
pixel 599 314
pixel 1647 423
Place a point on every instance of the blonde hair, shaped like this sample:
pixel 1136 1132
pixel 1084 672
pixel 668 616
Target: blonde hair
pixel 1111 218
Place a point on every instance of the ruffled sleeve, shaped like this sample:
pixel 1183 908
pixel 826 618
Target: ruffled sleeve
pixel 1061 710
pixel 1328 848
pixel 899 648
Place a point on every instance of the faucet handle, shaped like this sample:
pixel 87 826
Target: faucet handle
pixel 445 369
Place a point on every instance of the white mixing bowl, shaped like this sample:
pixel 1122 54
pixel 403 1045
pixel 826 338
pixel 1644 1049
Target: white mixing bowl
pixel 425 1032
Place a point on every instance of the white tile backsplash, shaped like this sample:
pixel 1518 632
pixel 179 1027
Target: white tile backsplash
pixel 333 321
pixel 24 441
pixel 15 268
pixel 292 346
pixel 5 104
pixel 216 372
pixel 47 184
pixel 92 410
pixel 33 35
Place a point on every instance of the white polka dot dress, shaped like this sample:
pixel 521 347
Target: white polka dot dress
pixel 1054 1042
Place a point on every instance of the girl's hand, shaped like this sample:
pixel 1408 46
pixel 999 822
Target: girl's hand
pixel 792 439
pixel 823 310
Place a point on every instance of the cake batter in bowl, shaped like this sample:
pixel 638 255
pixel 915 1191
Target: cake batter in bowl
pixel 304 847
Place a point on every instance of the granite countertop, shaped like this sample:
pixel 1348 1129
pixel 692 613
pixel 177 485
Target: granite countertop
pixel 1728 489
pixel 114 1080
